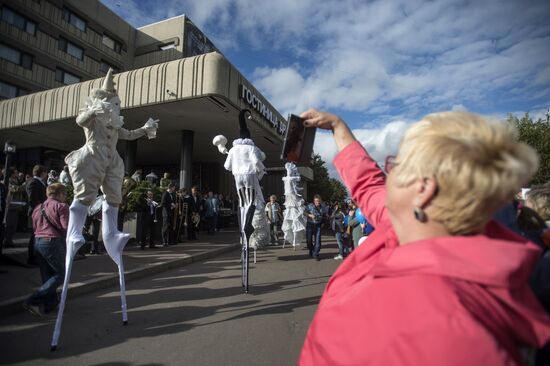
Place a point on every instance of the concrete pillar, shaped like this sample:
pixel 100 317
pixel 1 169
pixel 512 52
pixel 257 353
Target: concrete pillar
pixel 186 159
pixel 130 156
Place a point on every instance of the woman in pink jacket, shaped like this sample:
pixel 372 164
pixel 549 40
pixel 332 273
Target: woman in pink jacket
pixel 437 282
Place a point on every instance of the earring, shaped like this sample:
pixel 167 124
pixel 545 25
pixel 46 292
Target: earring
pixel 419 214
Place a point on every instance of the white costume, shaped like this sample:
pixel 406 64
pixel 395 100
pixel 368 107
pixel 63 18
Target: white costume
pixel 245 161
pixel 294 221
pixel 260 237
pixel 97 164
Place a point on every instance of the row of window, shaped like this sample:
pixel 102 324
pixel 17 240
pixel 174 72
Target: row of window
pixel 8 91
pixel 15 56
pixel 25 60
pixel 18 21
pixel 66 77
pixel 27 25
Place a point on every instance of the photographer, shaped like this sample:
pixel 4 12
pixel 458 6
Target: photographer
pixel 438 282
pixel 49 221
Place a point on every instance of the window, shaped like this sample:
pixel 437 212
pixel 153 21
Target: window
pixel 70 48
pixel 167 46
pixel 15 56
pixel 18 21
pixel 66 77
pixel 104 67
pixel 74 19
pixel 112 44
pixel 8 91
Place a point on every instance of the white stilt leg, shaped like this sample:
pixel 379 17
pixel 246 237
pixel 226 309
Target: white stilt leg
pixel 254 255
pixel 122 293
pixel 114 242
pixel 77 216
pixel 246 200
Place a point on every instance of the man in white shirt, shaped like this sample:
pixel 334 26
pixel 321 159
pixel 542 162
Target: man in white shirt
pixel 274 217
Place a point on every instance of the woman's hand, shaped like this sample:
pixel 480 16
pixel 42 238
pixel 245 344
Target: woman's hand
pixel 322 120
pixel 328 121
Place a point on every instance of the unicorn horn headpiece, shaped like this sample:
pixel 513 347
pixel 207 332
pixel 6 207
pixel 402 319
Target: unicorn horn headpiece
pixel 108 83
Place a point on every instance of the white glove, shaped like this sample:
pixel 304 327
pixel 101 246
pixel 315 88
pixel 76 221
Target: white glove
pixel 151 127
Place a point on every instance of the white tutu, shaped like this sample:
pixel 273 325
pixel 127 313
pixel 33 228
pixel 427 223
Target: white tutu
pixel 294 221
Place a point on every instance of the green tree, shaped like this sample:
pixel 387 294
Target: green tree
pixel 537 135
pixel 339 191
pixel 329 189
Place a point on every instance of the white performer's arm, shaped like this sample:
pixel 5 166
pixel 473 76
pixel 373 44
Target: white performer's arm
pixel 257 159
pixel 228 165
pixel 149 129
pixel 125 134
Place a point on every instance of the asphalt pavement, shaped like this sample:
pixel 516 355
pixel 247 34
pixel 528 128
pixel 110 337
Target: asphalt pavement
pixel 193 314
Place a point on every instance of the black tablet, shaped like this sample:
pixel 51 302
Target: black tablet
pixel 298 143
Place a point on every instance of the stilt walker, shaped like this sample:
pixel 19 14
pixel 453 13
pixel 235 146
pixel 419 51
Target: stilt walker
pixel 98 165
pixel 245 161
pixel 294 221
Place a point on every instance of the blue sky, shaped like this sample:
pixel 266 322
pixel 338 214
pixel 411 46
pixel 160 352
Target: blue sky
pixel 381 65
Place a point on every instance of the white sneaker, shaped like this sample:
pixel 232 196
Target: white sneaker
pixel 338 257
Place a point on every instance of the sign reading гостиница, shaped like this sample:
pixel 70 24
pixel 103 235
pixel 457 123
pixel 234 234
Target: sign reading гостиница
pixel 261 107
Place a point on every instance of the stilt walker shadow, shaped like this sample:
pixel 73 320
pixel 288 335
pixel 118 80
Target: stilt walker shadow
pixel 245 161
pixel 93 166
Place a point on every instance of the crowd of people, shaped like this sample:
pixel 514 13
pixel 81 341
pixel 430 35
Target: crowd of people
pixel 450 264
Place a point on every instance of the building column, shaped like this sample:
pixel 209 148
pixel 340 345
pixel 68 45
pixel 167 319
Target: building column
pixel 186 159
pixel 130 156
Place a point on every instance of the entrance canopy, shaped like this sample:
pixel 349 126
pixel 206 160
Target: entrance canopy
pixel 203 94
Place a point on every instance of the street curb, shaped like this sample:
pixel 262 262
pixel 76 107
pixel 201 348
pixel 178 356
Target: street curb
pixel 13 306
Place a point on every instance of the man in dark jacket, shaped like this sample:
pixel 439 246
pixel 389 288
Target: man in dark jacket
pixel 194 210
pixel 3 194
pixel 168 203
pixel 149 220
pixel 36 193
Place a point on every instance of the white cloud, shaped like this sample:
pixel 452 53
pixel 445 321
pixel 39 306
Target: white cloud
pixel 379 142
pixel 399 57
pixel 425 56
pixel 459 107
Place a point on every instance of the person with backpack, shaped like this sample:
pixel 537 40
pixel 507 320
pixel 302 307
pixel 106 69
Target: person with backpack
pixel 49 221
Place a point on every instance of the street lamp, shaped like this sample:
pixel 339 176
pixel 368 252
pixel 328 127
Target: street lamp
pixel 9 150
pixel 9 147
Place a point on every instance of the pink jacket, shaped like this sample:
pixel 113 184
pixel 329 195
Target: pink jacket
pixel 58 214
pixel 461 300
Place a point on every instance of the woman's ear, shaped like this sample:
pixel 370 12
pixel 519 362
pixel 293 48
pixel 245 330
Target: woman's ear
pixel 426 190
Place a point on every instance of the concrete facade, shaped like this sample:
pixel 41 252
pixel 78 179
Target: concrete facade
pixel 162 74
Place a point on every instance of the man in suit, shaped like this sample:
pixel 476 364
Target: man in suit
pixel 36 193
pixel 168 203
pixel 3 195
pixel 149 220
pixel 212 210
pixel 274 217
pixel 194 208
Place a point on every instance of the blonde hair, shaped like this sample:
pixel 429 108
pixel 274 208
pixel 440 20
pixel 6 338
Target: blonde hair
pixel 539 198
pixel 55 189
pixel 478 165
